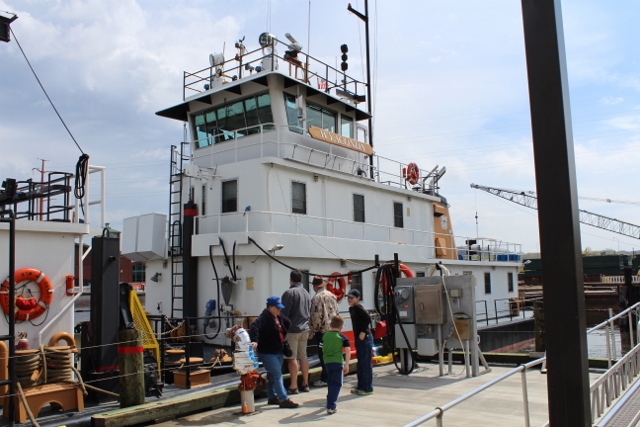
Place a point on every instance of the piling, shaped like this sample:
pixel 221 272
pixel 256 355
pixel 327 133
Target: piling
pixel 131 365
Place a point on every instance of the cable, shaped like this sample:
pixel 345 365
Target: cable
pixel 45 92
pixel 226 258
pixel 215 272
pixel 308 272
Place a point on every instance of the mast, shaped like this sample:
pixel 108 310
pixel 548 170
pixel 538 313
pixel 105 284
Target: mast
pixel 365 18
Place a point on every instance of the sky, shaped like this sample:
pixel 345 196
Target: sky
pixel 449 79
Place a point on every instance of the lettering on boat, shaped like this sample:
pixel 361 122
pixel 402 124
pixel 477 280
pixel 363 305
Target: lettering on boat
pixel 343 141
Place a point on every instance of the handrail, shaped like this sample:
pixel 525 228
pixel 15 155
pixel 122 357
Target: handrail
pixel 603 390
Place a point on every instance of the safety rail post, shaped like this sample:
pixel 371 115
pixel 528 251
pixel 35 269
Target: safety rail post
pixel 525 398
pixel 187 352
pixel 11 336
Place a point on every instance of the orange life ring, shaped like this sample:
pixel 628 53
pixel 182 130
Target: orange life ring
pixel 337 285
pixel 413 173
pixel 403 270
pixel 46 293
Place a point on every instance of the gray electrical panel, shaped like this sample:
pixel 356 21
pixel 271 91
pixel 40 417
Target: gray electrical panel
pixel 405 303
pixel 429 304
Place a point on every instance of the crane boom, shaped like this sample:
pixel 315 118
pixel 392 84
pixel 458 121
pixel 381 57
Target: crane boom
pixel 528 199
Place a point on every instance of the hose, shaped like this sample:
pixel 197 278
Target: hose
pixel 389 313
pixel 226 258
pixel 215 272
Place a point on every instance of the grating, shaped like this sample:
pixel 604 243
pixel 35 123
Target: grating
pixel 625 413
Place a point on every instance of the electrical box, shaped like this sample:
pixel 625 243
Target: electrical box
pixel 427 346
pixel 410 330
pixel 429 304
pixel 462 326
pixel 404 303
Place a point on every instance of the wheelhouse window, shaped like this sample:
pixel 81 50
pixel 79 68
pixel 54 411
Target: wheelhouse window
pixel 487 283
pixel 510 282
pixel 293 118
pixel 321 117
pixel 398 218
pixel 315 116
pixel 299 197
pixel 346 126
pixel 230 196
pixel 358 208
pixel 234 120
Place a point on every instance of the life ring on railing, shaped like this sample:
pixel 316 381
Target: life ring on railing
pixel 413 173
pixel 42 305
pixel 403 269
pixel 337 285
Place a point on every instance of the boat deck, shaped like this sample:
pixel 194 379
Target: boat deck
pixel 398 400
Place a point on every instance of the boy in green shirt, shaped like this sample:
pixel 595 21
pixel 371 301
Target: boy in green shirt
pixel 333 345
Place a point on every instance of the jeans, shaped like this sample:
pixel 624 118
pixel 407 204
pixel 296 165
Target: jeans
pixel 323 375
pixel 275 386
pixel 334 383
pixel 364 368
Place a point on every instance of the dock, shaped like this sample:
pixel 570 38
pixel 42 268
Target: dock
pixel 397 400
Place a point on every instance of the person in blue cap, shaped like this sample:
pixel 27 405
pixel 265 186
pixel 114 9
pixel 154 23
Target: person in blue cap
pixel 268 332
pixel 361 321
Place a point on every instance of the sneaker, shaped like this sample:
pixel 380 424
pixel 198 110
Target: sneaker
pixel 273 401
pixel 289 404
pixel 332 411
pixel 355 391
pixel 363 393
pixel 319 383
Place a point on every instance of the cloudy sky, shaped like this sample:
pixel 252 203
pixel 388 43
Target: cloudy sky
pixel 450 90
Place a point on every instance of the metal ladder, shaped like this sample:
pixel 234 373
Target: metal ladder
pixel 175 229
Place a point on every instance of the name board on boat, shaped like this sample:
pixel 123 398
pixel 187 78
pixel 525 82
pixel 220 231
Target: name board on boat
pixel 342 141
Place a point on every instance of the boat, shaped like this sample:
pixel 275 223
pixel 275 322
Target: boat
pixel 279 172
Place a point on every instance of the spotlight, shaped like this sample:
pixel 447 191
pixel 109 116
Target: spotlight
pixel 156 277
pixel 275 248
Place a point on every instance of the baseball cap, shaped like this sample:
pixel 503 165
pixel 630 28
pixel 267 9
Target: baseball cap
pixel 275 301
pixel 354 293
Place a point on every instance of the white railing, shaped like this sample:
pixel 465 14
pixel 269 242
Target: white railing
pixel 603 391
pixel 619 279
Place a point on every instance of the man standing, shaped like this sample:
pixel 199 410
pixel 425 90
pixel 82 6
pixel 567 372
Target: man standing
pixel 297 304
pixel 361 321
pixel 324 306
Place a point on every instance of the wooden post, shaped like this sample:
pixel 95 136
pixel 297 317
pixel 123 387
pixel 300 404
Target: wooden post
pixel 131 365
pixel 538 317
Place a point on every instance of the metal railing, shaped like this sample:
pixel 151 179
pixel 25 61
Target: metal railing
pixel 603 391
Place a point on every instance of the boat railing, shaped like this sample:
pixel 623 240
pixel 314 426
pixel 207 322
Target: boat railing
pixel 505 308
pixel 603 390
pixel 298 65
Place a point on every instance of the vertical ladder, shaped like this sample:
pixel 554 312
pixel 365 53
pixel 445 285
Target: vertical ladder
pixel 175 229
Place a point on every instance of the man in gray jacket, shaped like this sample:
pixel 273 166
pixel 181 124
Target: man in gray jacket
pixel 297 304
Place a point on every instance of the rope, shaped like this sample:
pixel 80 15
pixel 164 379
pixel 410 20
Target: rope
pixel 29 369
pixel 26 406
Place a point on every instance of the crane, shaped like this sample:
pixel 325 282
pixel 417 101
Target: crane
pixel 528 199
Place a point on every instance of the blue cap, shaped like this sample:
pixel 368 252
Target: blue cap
pixel 354 293
pixel 275 301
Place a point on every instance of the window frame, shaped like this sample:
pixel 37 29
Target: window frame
pixel 294 209
pixel 398 220
pixel 356 211
pixel 487 283
pixel 224 201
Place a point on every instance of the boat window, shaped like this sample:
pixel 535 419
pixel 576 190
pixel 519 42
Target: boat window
pixel 346 126
pixel 305 279
pixel 203 201
pixel 510 282
pixel 230 196
pixel 298 197
pixel 356 282
pixel 295 124
pixel 398 219
pixel 358 208
pixel 234 120
pixel 138 272
pixel 487 283
pixel 321 117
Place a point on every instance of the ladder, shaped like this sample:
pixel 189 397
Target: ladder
pixel 178 157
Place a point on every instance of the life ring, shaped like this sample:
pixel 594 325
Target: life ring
pixel 413 173
pixel 46 294
pixel 403 269
pixel 337 285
